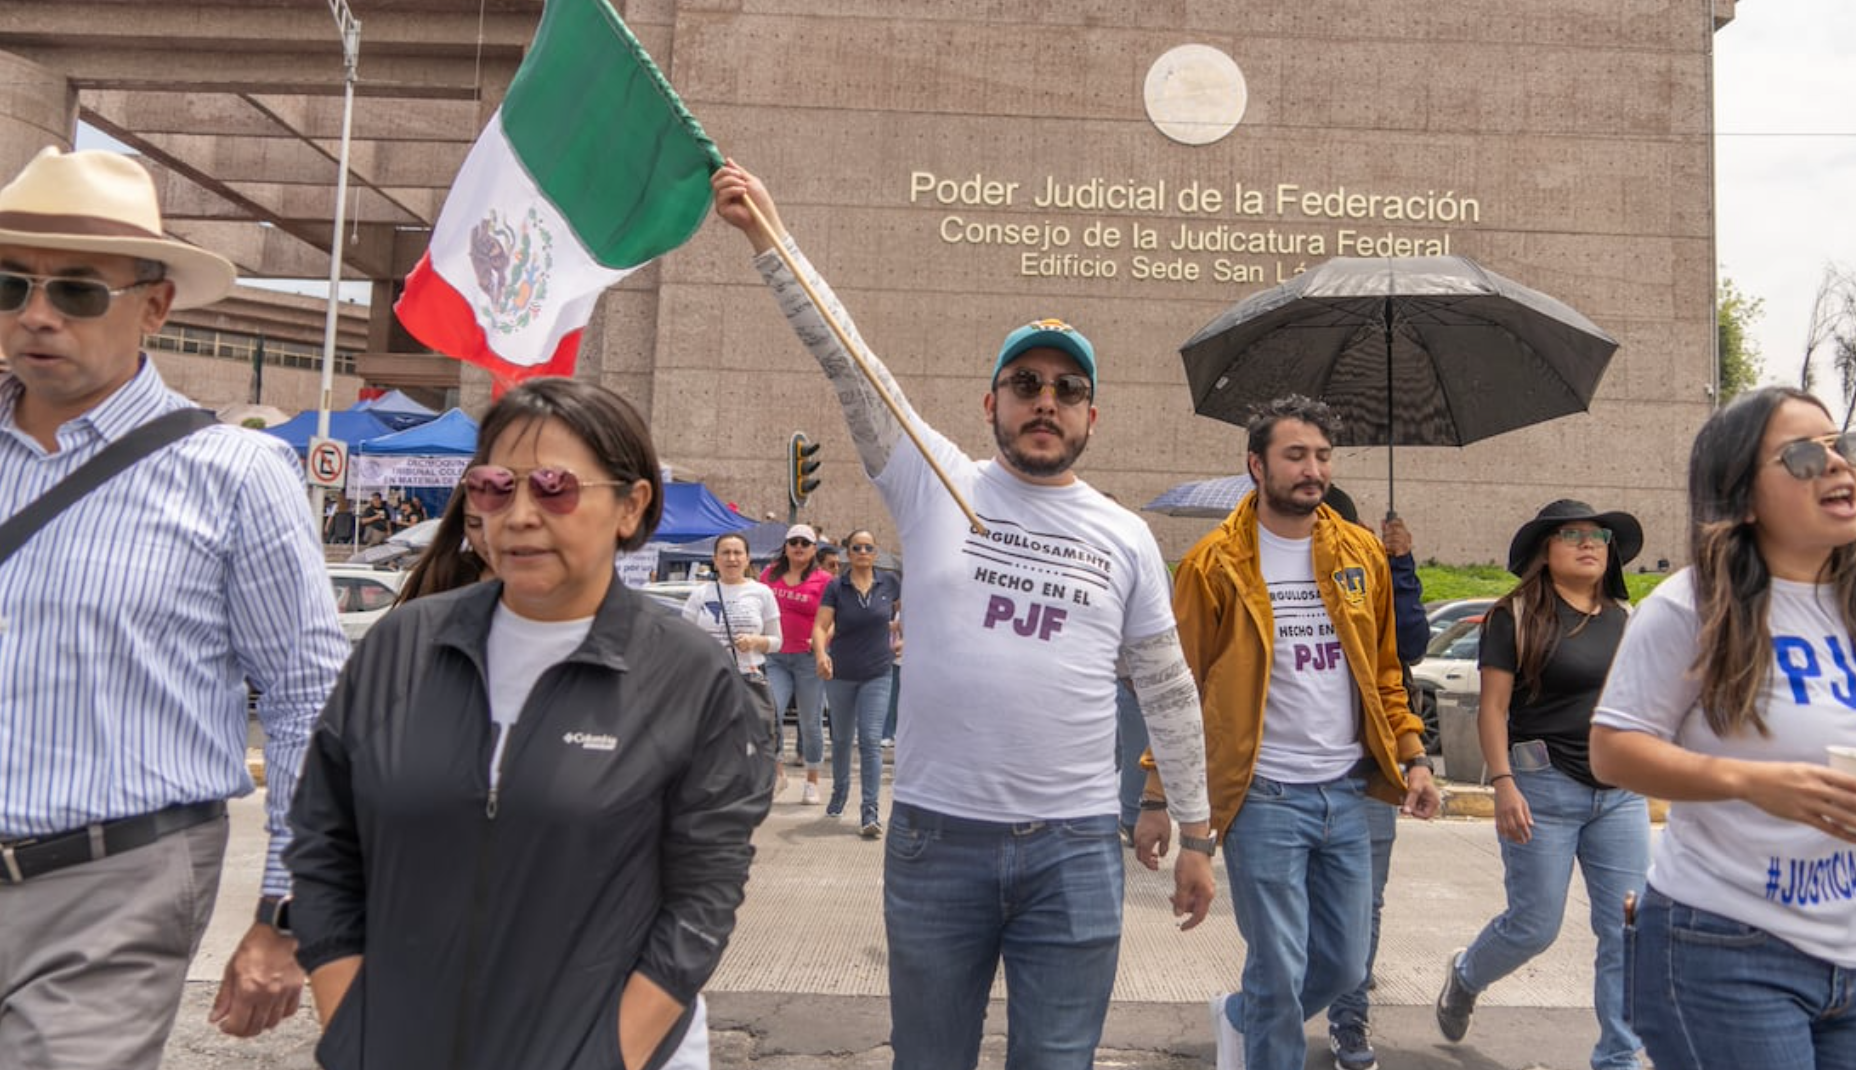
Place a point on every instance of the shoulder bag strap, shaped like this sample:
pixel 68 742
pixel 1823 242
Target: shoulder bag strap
pixel 721 605
pixel 161 431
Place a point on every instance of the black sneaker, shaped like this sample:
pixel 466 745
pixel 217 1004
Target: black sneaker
pixel 1352 1045
pixel 1456 1002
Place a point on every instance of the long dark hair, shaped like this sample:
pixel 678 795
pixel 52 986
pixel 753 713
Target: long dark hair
pixel 1733 585
pixel 611 428
pixel 1535 607
pixel 447 562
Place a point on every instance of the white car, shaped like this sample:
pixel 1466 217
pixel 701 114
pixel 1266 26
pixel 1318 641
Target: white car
pixel 1449 665
pixel 363 595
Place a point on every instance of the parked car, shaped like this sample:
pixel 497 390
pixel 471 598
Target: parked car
pixel 671 594
pixel 363 594
pixel 1443 614
pixel 1449 665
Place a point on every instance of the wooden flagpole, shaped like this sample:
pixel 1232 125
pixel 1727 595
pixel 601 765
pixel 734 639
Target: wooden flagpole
pixel 844 339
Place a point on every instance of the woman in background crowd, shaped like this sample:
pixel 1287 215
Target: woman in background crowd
pixel 452 559
pixel 1735 685
pixel 1545 649
pixel 741 614
pixel 524 821
pixel 799 585
pixel 851 638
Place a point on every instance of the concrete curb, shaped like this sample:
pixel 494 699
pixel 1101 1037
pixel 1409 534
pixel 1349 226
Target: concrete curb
pixel 1462 799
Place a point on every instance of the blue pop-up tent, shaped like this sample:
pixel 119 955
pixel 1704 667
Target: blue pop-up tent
pixel 396 410
pixel 350 427
pixel 451 435
pixel 692 512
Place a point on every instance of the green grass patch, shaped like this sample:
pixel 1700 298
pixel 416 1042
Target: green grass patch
pixel 1444 582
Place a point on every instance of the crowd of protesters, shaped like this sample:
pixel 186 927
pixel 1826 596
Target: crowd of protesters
pixel 513 826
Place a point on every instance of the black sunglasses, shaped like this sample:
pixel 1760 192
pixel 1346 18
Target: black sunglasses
pixel 861 548
pixel 797 541
pixel 78 299
pixel 1026 385
pixel 1808 458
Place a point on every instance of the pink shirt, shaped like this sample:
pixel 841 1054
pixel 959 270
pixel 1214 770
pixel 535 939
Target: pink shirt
pixel 798 606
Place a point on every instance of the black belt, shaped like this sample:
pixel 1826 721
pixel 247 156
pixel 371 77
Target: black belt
pixel 21 860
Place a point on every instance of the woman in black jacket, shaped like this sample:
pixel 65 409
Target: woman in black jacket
pixel 523 827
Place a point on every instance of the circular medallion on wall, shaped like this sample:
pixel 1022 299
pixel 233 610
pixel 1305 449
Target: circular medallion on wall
pixel 1195 94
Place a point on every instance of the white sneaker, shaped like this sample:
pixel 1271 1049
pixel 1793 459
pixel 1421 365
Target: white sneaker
pixel 809 797
pixel 1230 1040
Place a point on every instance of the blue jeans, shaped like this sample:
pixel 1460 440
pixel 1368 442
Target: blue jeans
pixel 1382 829
pixel 1709 993
pixel 857 709
pixel 1131 743
pixel 792 674
pixel 1297 857
pixel 958 895
pixel 1608 831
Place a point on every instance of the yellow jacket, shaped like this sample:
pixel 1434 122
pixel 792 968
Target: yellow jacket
pixel 1226 629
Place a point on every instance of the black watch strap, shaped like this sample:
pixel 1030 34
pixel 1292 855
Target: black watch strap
pixel 274 910
pixel 1153 804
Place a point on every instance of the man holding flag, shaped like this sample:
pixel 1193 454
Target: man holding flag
pixel 1003 840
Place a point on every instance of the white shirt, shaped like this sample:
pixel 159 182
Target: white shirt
pixel 1731 857
pixel 751 609
pixel 1311 719
pixel 518 651
pixel 1009 712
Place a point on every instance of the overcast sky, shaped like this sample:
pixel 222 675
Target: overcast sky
pixel 1785 163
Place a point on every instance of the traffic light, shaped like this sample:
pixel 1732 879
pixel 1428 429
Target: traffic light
pixel 800 481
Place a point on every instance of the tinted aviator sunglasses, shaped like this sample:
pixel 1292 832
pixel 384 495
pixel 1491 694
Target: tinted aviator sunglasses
pixel 1808 458
pixel 491 488
pixel 1025 384
pixel 78 299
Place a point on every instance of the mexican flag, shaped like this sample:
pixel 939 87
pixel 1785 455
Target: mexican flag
pixel 591 169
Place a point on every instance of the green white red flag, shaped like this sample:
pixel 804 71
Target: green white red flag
pixel 591 169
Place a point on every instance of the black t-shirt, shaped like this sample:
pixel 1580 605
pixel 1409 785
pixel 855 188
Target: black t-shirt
pixel 1570 682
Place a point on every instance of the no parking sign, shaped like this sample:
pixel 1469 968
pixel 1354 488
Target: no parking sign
pixel 328 462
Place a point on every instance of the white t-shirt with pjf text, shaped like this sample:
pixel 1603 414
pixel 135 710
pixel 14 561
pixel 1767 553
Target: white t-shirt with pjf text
pixel 1007 712
pixel 1311 719
pixel 1732 858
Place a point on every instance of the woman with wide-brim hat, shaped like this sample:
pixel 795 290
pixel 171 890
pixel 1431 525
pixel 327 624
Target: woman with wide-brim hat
pixel 1546 648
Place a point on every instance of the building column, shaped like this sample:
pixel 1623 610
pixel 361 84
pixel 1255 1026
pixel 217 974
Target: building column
pixel 38 107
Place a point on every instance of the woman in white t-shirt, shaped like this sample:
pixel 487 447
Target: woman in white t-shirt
pixel 743 615
pixel 1734 677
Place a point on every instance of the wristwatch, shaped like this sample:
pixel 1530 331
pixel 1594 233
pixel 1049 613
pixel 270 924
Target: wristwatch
pixel 1153 804
pixel 274 910
pixel 1205 845
pixel 1422 761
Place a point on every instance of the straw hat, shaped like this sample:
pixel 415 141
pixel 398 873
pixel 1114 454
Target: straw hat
pixel 104 202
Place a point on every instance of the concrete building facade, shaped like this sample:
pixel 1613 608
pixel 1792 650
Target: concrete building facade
pixel 958 168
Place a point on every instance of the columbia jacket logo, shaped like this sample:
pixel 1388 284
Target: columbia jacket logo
pixel 591 741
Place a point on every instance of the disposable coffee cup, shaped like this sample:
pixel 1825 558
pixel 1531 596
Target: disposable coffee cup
pixel 1842 759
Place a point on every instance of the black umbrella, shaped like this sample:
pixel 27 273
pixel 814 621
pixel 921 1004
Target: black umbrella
pixel 1411 351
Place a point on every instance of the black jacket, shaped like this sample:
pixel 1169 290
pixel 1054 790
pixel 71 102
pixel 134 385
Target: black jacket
pixel 500 932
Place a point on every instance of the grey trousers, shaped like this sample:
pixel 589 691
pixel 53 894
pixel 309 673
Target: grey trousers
pixel 93 957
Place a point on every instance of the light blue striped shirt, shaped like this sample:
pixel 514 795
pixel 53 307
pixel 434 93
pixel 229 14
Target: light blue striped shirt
pixel 130 623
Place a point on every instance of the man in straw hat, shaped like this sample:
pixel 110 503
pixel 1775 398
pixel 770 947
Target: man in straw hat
pixel 130 624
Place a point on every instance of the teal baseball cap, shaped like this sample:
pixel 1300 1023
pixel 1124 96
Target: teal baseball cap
pixel 1048 334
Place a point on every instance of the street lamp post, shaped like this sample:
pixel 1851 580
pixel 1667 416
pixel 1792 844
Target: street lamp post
pixel 350 28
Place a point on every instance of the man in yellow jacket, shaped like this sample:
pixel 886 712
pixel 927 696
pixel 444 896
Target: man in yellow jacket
pixel 1285 615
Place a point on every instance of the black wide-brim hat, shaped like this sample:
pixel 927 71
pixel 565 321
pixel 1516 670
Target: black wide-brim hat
pixel 1626 538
